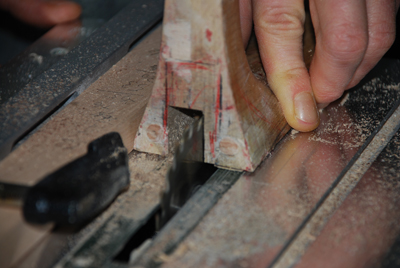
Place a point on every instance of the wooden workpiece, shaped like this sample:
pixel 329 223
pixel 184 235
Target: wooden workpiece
pixel 115 102
pixel 203 67
pixel 254 221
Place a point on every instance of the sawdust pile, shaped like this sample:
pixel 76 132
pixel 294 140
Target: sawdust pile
pixel 351 120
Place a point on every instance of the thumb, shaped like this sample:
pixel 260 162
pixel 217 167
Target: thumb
pixel 279 27
pixel 246 20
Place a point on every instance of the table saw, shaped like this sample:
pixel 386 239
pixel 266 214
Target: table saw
pixel 327 198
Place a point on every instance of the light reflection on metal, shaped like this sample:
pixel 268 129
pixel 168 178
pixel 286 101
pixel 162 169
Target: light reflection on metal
pixel 261 213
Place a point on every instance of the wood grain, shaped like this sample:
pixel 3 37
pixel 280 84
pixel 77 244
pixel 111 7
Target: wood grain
pixel 203 66
pixel 115 102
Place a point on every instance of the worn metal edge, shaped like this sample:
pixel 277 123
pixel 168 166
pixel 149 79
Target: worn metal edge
pixel 111 42
pixel 100 247
pixel 188 217
pixel 340 189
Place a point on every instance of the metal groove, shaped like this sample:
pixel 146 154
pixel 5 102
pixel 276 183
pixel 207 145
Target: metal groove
pixel 105 242
pixel 188 217
pixel 75 72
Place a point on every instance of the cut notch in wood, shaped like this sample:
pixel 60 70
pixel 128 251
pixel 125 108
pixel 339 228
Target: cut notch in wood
pixel 203 66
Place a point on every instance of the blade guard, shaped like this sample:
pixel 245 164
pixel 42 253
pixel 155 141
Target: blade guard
pixel 203 66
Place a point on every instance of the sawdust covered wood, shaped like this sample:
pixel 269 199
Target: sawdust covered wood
pixel 115 102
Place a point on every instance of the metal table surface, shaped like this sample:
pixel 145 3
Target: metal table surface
pixel 271 217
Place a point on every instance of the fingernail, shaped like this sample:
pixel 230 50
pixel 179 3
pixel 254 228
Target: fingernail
pixel 305 107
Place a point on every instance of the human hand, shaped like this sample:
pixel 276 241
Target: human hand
pixel 42 13
pixel 351 37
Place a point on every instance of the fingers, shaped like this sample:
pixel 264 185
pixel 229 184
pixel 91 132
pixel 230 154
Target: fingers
pixel 279 29
pixel 67 31
pixel 351 37
pixel 341 30
pixel 381 35
pixel 246 20
pixel 42 13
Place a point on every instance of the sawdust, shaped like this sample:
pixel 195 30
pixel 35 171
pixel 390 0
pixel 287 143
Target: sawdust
pixel 179 252
pixel 148 174
pixel 366 224
pixel 368 117
pixel 352 119
pixel 147 180
pixel 252 222
pixel 236 235
pixel 293 133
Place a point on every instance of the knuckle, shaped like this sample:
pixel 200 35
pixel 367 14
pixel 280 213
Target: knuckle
pixel 282 21
pixel 346 42
pixel 296 72
pixel 381 39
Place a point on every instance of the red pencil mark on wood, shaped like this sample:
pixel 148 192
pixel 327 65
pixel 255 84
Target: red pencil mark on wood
pixel 212 142
pixel 167 90
pixel 208 35
pixel 191 65
pixel 246 154
pixel 257 112
pixel 197 96
pixel 208 59
pixel 165 51
pixel 217 112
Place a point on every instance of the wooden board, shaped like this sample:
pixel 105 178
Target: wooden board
pixel 203 67
pixel 115 102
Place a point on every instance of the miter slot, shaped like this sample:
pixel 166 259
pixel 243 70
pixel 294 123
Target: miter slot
pixel 149 234
pixel 139 239
pixel 168 239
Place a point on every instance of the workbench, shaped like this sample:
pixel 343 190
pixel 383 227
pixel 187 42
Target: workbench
pixel 328 198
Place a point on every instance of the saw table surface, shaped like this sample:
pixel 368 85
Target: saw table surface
pixel 328 198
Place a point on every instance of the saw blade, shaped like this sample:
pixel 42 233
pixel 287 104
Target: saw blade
pixel 187 173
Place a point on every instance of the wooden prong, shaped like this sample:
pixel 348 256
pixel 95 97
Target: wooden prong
pixel 203 66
